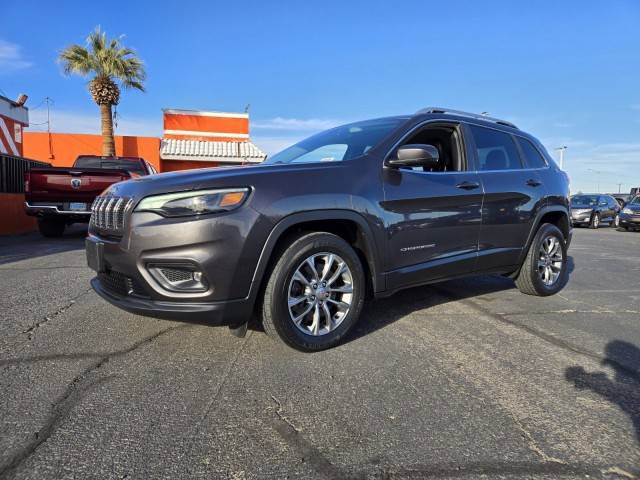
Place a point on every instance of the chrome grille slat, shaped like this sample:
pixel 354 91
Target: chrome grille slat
pixel 109 213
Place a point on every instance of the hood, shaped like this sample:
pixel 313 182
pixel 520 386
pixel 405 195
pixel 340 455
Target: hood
pixel 582 208
pixel 205 178
pixel 634 207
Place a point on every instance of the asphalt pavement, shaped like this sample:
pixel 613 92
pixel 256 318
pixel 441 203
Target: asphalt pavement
pixel 465 379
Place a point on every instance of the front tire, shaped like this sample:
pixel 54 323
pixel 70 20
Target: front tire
pixel 50 227
pixel 315 292
pixel 595 221
pixel 544 271
pixel 615 223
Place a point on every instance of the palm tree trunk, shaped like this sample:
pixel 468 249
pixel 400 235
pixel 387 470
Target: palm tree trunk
pixel 108 143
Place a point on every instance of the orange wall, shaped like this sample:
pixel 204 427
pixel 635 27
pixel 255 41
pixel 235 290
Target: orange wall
pixel 66 147
pixel 173 165
pixel 12 217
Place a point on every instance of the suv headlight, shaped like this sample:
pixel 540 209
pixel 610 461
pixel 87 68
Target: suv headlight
pixel 197 202
pixel 627 210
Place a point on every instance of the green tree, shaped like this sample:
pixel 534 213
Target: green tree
pixel 112 66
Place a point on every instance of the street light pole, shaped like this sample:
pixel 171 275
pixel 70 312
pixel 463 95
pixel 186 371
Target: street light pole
pixel 561 150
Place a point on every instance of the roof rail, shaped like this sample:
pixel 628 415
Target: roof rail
pixel 477 116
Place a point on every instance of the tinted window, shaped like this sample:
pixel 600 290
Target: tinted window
pixel 496 150
pixel 584 201
pixel 532 156
pixel 133 166
pixel 325 153
pixel 340 143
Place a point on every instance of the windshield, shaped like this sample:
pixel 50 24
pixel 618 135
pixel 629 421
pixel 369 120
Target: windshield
pixel 132 166
pixel 635 201
pixel 584 201
pixel 340 143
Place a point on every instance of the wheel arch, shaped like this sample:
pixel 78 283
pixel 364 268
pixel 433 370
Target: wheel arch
pixel 348 225
pixel 554 214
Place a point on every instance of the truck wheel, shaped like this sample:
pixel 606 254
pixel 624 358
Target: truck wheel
pixel 595 221
pixel 544 271
pixel 50 228
pixel 315 292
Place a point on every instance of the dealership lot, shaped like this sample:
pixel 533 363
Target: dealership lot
pixel 458 380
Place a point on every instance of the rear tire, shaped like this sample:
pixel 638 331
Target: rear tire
pixel 332 300
pixel 50 227
pixel 595 221
pixel 532 279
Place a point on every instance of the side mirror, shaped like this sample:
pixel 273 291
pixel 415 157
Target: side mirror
pixel 415 155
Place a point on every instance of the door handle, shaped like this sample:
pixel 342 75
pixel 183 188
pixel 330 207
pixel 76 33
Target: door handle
pixel 468 185
pixel 534 183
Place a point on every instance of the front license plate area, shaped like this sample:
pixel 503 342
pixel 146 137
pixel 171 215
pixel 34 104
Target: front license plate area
pixel 95 255
pixel 78 207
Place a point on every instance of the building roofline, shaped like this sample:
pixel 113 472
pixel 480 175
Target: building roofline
pixel 203 113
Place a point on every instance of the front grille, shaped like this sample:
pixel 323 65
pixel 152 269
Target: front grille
pixel 121 284
pixel 108 213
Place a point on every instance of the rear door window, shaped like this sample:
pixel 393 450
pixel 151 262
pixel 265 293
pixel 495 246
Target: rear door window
pixel 532 156
pixel 495 150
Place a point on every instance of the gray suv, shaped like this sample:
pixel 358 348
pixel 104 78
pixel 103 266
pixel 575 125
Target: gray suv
pixel 360 210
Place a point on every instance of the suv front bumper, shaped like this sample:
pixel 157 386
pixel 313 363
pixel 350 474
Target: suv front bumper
pixel 215 246
pixel 231 313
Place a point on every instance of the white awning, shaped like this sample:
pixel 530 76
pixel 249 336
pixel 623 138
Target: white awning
pixel 229 152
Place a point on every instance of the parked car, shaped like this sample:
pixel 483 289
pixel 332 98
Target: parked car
pixel 630 215
pixel 593 209
pixel 366 208
pixel 63 196
pixel 622 198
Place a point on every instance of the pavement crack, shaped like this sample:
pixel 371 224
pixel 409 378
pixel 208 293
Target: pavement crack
pixel 533 446
pixel 309 453
pixel 218 390
pixel 632 373
pixel 619 472
pixel 280 413
pixel 30 332
pixel 571 310
pixel 76 390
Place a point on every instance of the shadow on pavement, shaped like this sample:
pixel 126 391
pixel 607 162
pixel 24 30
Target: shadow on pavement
pixel 380 313
pixel 14 248
pixel 623 389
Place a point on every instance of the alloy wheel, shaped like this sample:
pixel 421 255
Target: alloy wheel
pixel 550 260
pixel 320 293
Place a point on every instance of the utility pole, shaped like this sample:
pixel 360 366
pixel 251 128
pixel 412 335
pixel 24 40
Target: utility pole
pixel 561 150
pixel 619 187
pixel 48 101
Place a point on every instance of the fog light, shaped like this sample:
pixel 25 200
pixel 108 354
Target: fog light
pixel 178 277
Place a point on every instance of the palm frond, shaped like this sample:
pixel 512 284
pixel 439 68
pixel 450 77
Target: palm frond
pixel 105 59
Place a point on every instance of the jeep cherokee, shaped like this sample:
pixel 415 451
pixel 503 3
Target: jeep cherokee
pixel 366 208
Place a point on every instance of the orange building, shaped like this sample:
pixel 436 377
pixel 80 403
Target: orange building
pixel 191 139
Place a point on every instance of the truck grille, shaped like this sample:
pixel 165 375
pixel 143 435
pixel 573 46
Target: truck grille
pixel 108 213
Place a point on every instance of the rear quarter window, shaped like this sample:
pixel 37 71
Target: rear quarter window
pixel 532 156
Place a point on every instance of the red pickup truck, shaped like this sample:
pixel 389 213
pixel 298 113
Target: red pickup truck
pixel 62 196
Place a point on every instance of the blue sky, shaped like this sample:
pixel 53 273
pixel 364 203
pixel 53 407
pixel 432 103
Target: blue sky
pixel 568 72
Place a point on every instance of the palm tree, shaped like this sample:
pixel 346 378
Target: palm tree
pixel 113 66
